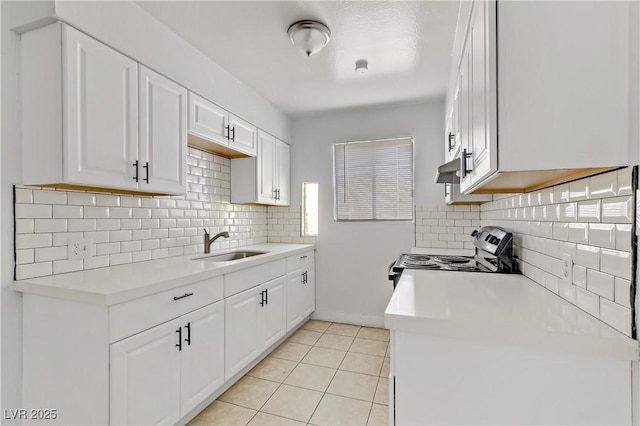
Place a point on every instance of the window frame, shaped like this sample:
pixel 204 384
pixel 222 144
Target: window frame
pixel 335 183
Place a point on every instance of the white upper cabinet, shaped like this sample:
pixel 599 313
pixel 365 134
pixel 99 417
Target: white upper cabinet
pixel 243 135
pixel 535 107
pixel 103 121
pixel 214 129
pixel 163 136
pixel 100 101
pixel 207 120
pixel 266 172
pixel 266 176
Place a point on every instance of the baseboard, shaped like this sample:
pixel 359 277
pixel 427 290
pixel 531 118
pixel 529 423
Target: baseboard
pixel 369 321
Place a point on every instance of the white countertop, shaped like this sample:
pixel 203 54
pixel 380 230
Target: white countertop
pixel 117 284
pixel 499 308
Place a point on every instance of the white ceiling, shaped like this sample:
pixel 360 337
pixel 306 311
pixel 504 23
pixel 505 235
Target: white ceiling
pixel 407 43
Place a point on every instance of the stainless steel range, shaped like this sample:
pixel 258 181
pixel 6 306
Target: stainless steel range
pixel 494 253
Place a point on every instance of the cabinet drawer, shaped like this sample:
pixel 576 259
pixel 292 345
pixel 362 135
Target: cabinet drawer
pixel 126 319
pixel 236 282
pixel 298 261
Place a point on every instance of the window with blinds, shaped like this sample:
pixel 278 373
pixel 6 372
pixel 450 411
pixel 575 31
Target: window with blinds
pixel 373 180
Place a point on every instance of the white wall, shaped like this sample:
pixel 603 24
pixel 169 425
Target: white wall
pixel 352 257
pixel 10 158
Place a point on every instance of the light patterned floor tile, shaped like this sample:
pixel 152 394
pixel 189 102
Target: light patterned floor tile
pixel 368 346
pixel 379 415
pixel 337 410
pixel 382 392
pixel 362 363
pixel 374 333
pixel 264 419
pixel 306 337
pixel 334 341
pixel 290 351
pixel 324 357
pixel 293 403
pixel 222 413
pixel 249 392
pixel 274 369
pixel 311 377
pixel 353 385
pixel 385 367
pixel 343 329
pixel 315 325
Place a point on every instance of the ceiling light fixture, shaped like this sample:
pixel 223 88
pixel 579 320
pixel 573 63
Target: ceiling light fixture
pixel 309 36
pixel 362 66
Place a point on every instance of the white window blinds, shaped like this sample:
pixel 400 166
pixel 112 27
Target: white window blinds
pixel 373 180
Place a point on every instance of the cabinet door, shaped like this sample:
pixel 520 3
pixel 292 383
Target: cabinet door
pixel 283 155
pixel 100 102
pixel 275 311
pixel 163 134
pixel 242 337
pixel 482 163
pixel 301 296
pixel 266 168
pixel 243 135
pixel 464 114
pixel 145 377
pixel 207 120
pixel 202 370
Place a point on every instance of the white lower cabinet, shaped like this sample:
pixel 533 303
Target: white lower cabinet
pixel 161 374
pixel 301 295
pixel 255 319
pixel 157 358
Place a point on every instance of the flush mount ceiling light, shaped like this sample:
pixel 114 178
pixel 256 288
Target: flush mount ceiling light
pixel 362 66
pixel 309 36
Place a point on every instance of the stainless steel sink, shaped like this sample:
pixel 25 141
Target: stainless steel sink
pixel 232 255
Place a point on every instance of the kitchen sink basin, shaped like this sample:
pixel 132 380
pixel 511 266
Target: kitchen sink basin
pixel 232 255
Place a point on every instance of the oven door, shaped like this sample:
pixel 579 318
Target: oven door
pixel 394 274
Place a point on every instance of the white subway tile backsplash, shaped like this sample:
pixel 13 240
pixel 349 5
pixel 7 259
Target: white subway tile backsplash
pixel 602 235
pixel 41 196
pixel 46 254
pixel 600 283
pixel 24 256
pixel 81 199
pixel 588 301
pixel 624 181
pixel 31 270
pixel 604 185
pixel 617 210
pixel 32 211
pixel 128 228
pixel 25 226
pixel 623 237
pixel 24 241
pixel 579 233
pixel 587 256
pixel 580 276
pixel 616 263
pixel 50 225
pixel 64 266
pixel 589 219
pixel 622 293
pixel 589 211
pixel 616 316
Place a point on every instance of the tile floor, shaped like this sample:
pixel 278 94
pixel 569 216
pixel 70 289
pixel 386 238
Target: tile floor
pixel 324 374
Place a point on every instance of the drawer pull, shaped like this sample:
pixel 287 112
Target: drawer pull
pixel 183 296
pixel 303 257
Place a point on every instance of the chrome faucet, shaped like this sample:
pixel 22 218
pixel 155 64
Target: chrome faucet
pixel 208 241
